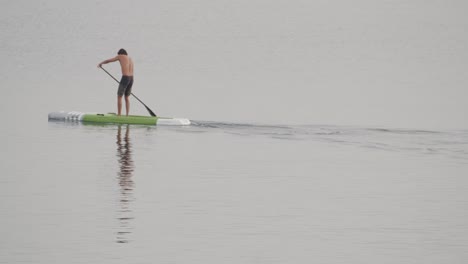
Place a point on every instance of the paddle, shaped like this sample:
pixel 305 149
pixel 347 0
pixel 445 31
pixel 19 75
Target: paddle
pixel 147 108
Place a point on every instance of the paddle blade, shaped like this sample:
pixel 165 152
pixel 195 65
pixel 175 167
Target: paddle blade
pixel 150 112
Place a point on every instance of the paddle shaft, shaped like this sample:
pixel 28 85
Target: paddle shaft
pixel 147 108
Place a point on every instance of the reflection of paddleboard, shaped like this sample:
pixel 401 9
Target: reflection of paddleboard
pixel 112 118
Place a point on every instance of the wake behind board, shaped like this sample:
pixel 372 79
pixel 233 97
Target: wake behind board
pixel 111 118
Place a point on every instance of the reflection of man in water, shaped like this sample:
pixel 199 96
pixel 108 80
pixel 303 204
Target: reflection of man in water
pixel 124 155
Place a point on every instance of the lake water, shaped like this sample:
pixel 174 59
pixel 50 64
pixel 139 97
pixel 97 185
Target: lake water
pixel 234 193
pixel 323 132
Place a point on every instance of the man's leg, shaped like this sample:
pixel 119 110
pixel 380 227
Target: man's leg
pixel 127 104
pixel 119 105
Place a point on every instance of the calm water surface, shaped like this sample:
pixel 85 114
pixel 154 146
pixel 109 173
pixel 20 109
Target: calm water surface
pixel 233 193
pixel 223 192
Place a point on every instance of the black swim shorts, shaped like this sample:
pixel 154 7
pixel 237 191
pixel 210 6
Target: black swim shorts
pixel 125 86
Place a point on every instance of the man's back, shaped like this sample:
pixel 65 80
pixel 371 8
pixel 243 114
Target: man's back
pixel 126 63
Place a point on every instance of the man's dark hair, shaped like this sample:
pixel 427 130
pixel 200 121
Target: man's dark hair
pixel 122 52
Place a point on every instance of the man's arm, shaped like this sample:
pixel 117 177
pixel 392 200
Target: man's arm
pixel 116 58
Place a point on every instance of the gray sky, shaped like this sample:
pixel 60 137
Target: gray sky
pixel 373 63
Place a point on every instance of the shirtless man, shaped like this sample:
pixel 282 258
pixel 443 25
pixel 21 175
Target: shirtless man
pixel 126 83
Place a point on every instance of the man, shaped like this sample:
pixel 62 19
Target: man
pixel 126 83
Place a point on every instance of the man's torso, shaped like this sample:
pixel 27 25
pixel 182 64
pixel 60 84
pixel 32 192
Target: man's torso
pixel 126 64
